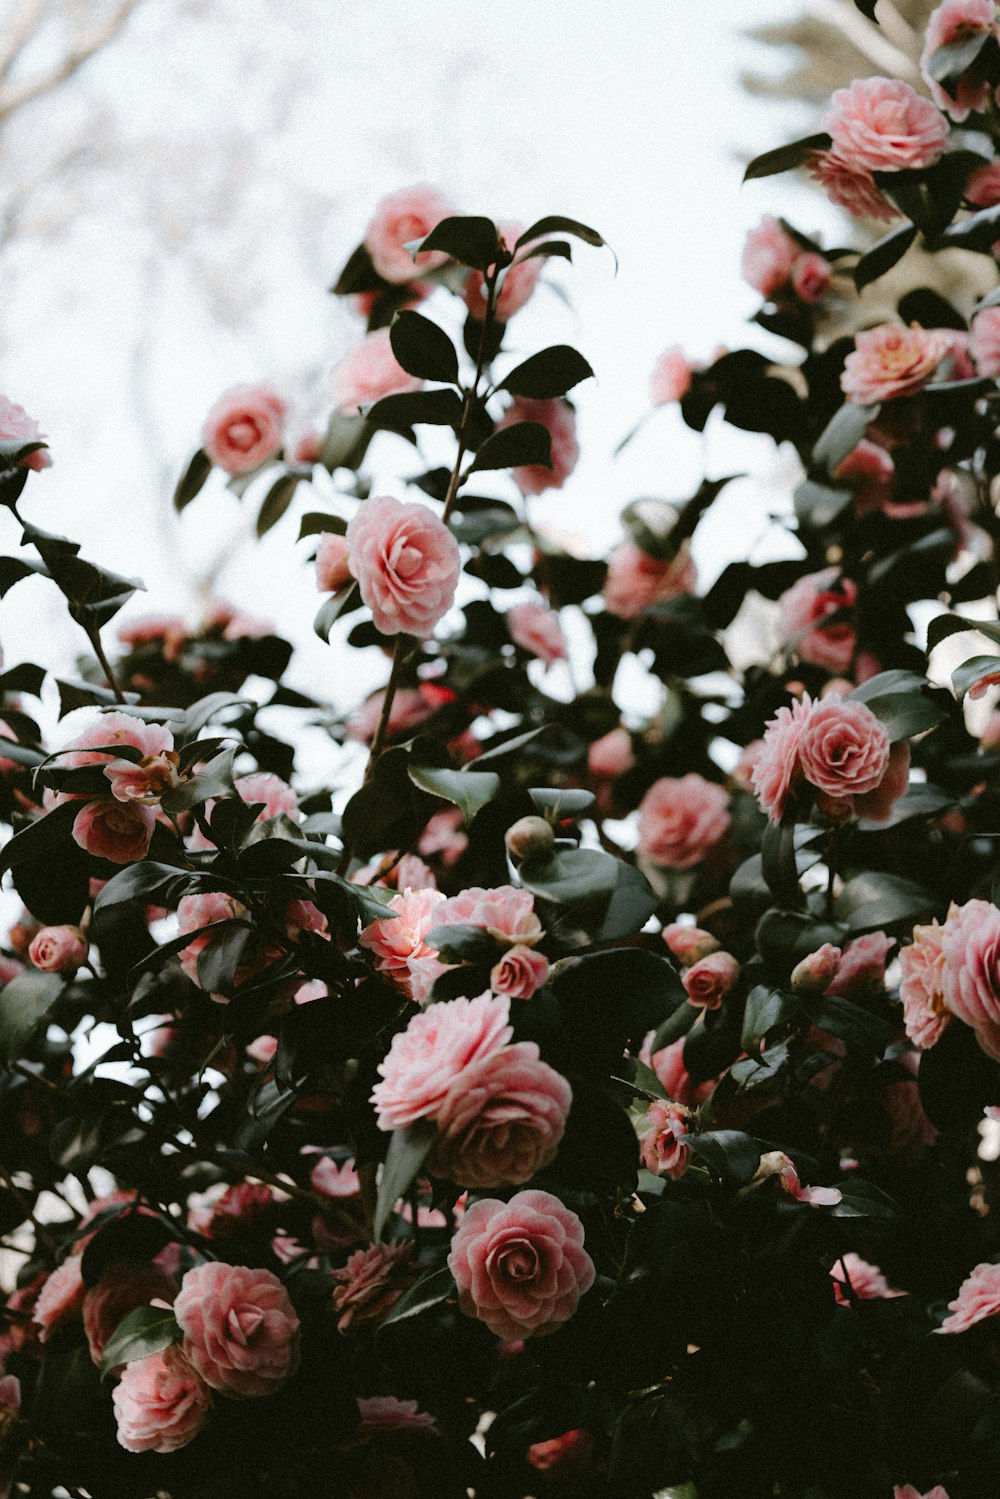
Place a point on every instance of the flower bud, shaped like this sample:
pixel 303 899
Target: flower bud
pixel 816 972
pixel 689 944
pixel 58 949
pixel 529 835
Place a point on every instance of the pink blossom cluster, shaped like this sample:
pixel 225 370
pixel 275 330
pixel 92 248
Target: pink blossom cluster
pixel 958 21
pixel 118 825
pixel 952 971
pixel 775 264
pixel 636 580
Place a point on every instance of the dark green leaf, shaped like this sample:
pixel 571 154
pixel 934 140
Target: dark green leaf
pixel 842 434
pixel 422 348
pixel 192 479
pixel 569 876
pixel 138 881
pixel 732 1155
pixel 876 899
pixel 953 624
pixel 947 64
pixel 883 255
pixel 978 232
pixel 468 789
pixel 555 223
pixel 430 1290
pixel 145 1331
pixel 784 158
pixel 435 408
pixel 408 1150
pixel 520 445
pixel 819 504
pixel 980 671
pixel 778 864
pixel 861 1199
pixel 277 501
pixel 464 944
pixel 331 609
pixel 319 522
pixel 765 1009
pixel 898 699
pixel 219 960
pixel 552 372
pixel 13 449
pixel 24 1002
pixel 13 569
pixel 472 241
pixel 557 803
pixel 214 779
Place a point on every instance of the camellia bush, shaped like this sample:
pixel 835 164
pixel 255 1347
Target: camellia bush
pixel 572 1102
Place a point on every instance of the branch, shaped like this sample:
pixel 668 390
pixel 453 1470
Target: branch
pixel 13 98
pixel 868 39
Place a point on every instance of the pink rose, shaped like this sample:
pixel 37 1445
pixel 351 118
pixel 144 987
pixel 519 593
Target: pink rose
pixel 502 1119
pixel 17 426
pixel 811 277
pixel 398 938
pixel 520 1266
pixel 958 21
pixel 124 1285
pixel 861 971
pixel 425 1059
pixel 978 1298
pixel 517 282
pixel 244 428
pixel 671 377
pixel 241 1332
pixel 611 756
pixel 194 911
pixel 689 944
pixel 59 949
pixel 984 344
pixel 519 972
pixel 850 187
pixel 403 216
pixel 636 580
pixel 661 1143
pixel 806 605
pixel 536 629
pixel 925 1014
pixel 843 749
pixel 368 373
pixel 406 562
pixel 332 571
pixel 160 1403
pixel 409 709
pixel 709 980
pixel 884 125
pixel 681 821
pixel 861 1281
pixel 970 943
pixel 371 1283
pixel 558 417
pixel 117 831
pixel 60 1298
pixel 891 361
pixel 768 256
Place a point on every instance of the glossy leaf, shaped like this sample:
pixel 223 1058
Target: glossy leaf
pixel 422 348
pixel 784 158
pixel 408 1150
pixel 551 372
pixel 431 1289
pixel 435 408
pixel 192 480
pixel 470 790
pixel 472 240
pixel 277 501
pixel 143 1332
pixel 522 444
pixel 25 1000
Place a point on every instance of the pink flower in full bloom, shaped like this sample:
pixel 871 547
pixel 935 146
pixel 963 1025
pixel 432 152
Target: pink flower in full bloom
pixel 501 1120
pixel 925 1014
pixel 776 771
pixel 536 629
pixel 611 755
pixel 985 342
pixel 671 377
pixel 709 980
pixel 520 972
pixel 907 1491
pixel 399 219
pixel 17 426
pixel 58 949
pixel 635 580
pixel 444 836
pixel 804 608
pixel 370 372
pixel 863 1281
pixel 60 1298
pixel 425 1059
pixel 124 1285
pixel 559 419
pixel 517 282
pixel 661 1142
pixel 681 820
pixel 94 745
pixel 892 361
pixel 244 428
pixel 957 21
pixel 843 749
pixel 978 1298
pixel 332 571
pixel 241 1332
pixel 883 125
pixel 520 1266
pixel 505 911
pixel 970 943
pixel 160 1403
pixel 371 1283
pixel 851 187
pixel 406 563
pixel 117 831
pixel 399 936
pixel 769 252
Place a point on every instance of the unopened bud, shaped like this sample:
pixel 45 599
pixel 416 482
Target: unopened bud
pixel 816 972
pixel 689 944
pixel 529 835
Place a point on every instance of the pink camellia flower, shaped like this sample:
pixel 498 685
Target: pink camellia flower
pixel 307 448
pixel 520 972
pixel 925 1014
pixel 804 608
pixel 815 973
pixel 240 1330
pixel 681 821
pixel 505 911
pixel 811 277
pixel 502 1119
pixel 671 377
pixel 425 1059
pixel 869 469
pixel 907 1491
pixel 60 1298
pixel 409 710
pixel 268 791
pixel 984 344
pixel 983 187
pixel 636 580
pixel 769 253
pixel 406 563
pixel 239 1207
pixel 117 831
pixel 709 980
pixel 17 426
pixel 397 938
pixel 689 944
pixel 892 361
pixel 194 911
pixel 145 782
pixel 957 21
pixel 13 1430
pixel 558 417
pixel 564 1456
pixel 371 1283
pixel 59 949
pixel 244 428
pixel 110 729
pixel 777 1163
pixel 160 1403
pixel 520 1266
pixel 444 836
pixel 370 372
pixel 970 943
pixel 850 187
pixel 674 1078
pixel 861 971
pixel 399 219
pixel 883 125
pixel 777 771
pixel 661 1142
pixel 383 1413
pixel 863 1282
pixel 166 630
pixel 611 756
pixel 517 283
pixel 123 1286
pixel 843 749
pixel 978 1298
pixel 536 629
pixel 332 571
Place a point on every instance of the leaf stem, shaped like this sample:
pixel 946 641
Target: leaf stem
pixel 471 395
pixel 399 654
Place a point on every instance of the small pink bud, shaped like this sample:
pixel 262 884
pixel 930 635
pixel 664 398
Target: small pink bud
pixel 58 949
pixel 817 971
pixel 529 835
pixel 689 943
pixel 708 981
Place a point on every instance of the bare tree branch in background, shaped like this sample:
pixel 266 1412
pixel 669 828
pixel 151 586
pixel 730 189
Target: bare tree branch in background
pixel 835 43
pixel 31 18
